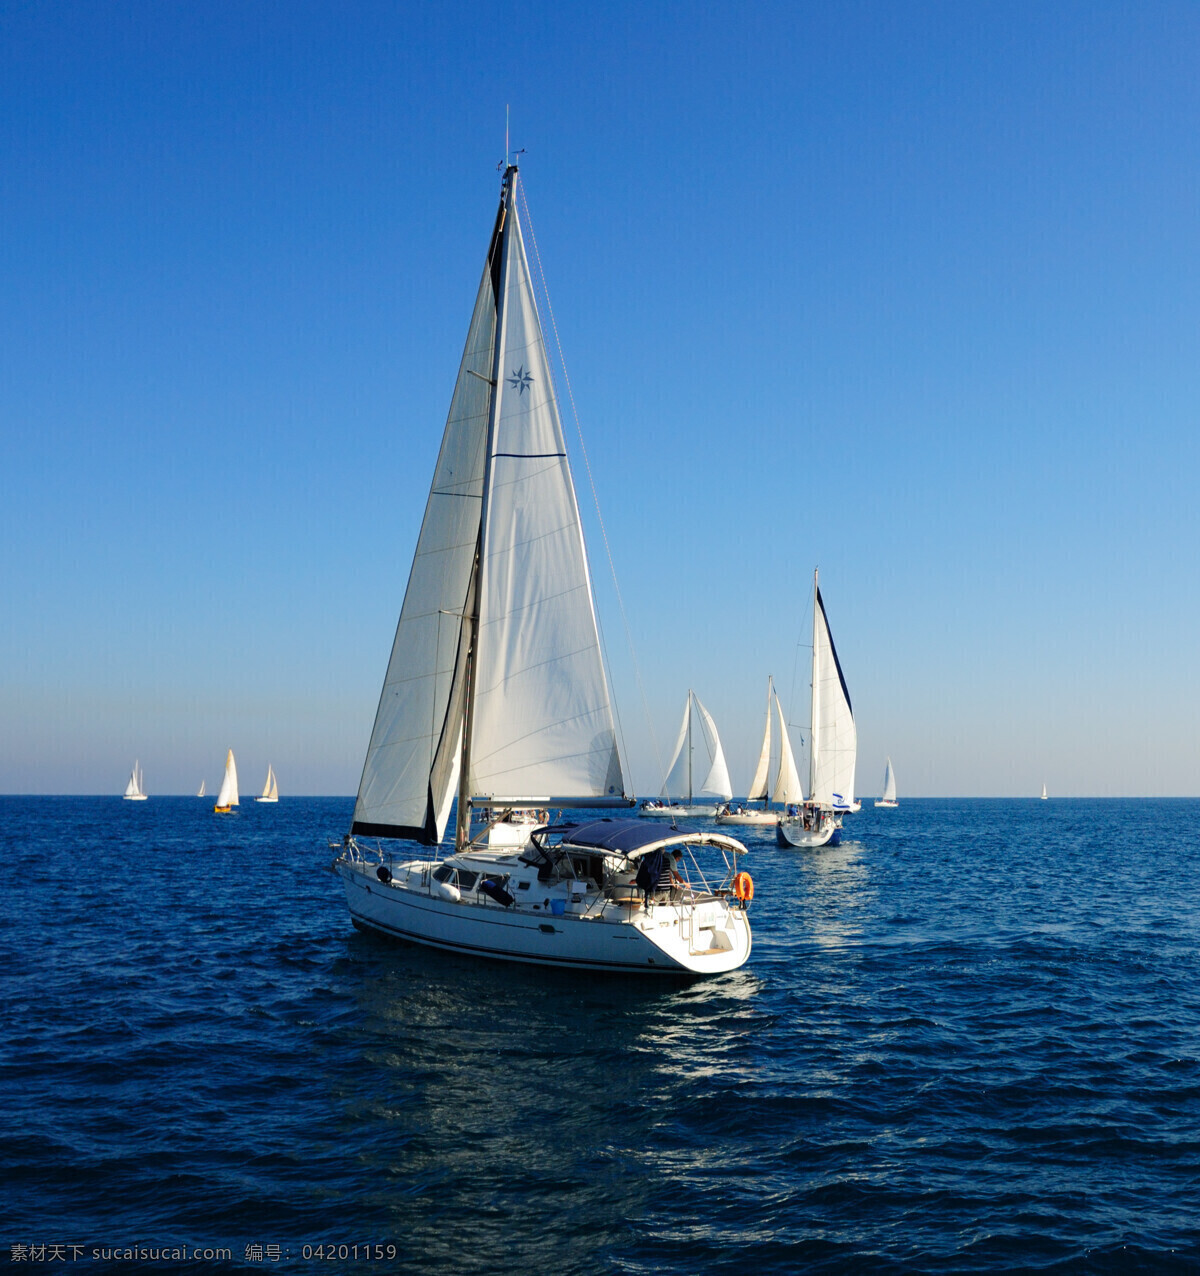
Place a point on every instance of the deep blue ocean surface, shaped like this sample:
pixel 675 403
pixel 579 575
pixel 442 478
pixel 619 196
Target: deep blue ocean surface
pixel 968 1039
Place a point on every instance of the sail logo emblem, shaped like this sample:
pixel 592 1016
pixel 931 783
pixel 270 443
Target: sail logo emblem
pixel 520 379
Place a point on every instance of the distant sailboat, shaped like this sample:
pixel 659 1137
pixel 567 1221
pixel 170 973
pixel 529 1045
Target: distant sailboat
pixel 832 745
pixel 1044 794
pixel 133 790
pixel 680 780
pixel 227 799
pixel 270 791
pixel 788 788
pixel 200 790
pixel 889 787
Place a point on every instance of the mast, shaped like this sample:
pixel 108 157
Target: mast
pixel 815 701
pixel 462 825
pixel 691 693
pixel 767 791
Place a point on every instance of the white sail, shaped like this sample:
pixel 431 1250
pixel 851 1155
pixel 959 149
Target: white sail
pixel 787 784
pixel 681 775
pixel 229 784
pixel 758 785
pixel 411 767
pixel 1044 790
pixel 497 636
pixel 200 791
pixel 889 783
pixel 133 789
pixel 833 742
pixel 272 787
pixel 542 721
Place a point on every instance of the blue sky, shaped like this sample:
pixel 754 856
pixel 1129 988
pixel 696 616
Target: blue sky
pixel 909 292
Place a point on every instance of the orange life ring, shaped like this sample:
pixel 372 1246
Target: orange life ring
pixel 743 887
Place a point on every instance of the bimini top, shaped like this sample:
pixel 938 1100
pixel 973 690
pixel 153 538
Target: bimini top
pixel 633 838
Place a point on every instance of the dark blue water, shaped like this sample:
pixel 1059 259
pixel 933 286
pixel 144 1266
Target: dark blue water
pixel 968 1040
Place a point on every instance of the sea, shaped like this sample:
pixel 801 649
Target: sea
pixel 967 1040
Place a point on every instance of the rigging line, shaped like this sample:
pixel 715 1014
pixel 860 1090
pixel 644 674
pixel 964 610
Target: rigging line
pixel 587 465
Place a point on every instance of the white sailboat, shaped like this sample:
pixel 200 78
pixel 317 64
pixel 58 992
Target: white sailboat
pixel 1044 794
pixel 227 799
pixel 134 792
pixel 832 745
pixel 270 791
pixel 678 792
pixel 889 787
pixel 788 789
pixel 496 692
pixel 200 790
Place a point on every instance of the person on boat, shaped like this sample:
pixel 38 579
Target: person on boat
pixel 668 875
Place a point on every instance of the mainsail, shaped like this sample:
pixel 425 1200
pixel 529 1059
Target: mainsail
pixel 889 783
pixel 497 655
pixel 833 743
pixel 229 783
pixel 787 781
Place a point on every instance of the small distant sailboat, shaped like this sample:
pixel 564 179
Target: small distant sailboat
pixel 227 799
pixel 679 779
pixel 832 745
pixel 270 791
pixel 889 787
pixel 788 788
pixel 134 792
pixel 200 790
pixel 1044 794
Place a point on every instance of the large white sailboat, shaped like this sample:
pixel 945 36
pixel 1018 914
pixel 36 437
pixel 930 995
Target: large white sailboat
pixel 678 799
pixel 495 694
pixel 787 790
pixel 270 791
pixel 889 787
pixel 227 799
pixel 134 792
pixel 832 745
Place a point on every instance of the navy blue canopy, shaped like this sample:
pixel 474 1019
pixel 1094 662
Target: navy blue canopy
pixel 624 837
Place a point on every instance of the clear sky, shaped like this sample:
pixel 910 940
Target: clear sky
pixel 907 291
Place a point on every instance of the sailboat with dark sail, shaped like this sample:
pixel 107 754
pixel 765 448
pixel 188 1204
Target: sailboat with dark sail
pixel 496 702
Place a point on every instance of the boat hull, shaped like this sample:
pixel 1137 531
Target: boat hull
pixel 664 938
pixel 761 818
pixel 262 799
pixel 135 797
pixel 793 833
pixel 889 805
pixel 677 812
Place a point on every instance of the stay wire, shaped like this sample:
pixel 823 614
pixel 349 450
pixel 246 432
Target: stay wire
pixel 587 465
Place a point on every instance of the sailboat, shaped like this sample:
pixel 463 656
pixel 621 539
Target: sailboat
pixel 495 700
pixel 270 791
pixel 680 774
pixel 832 745
pixel 133 790
pixel 787 790
pixel 227 799
pixel 1044 794
pixel 200 790
pixel 889 787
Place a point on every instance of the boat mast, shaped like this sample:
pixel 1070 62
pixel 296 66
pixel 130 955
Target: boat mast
pixel 767 790
pixel 462 824
pixel 814 702
pixel 691 694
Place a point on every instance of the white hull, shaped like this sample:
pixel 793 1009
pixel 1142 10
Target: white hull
pixel 135 797
pixel 888 804
pixel 268 799
pixel 708 935
pixel 761 818
pixel 677 812
pixel 793 833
